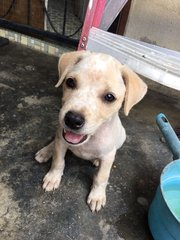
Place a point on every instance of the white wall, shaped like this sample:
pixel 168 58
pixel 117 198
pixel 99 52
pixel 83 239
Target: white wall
pixel 156 22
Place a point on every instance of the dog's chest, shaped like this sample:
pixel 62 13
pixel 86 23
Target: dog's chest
pixel 97 147
pixel 89 150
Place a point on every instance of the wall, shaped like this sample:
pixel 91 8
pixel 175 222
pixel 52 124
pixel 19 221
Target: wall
pixel 35 43
pixel 156 22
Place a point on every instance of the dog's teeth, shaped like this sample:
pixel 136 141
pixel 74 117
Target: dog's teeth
pixel 64 131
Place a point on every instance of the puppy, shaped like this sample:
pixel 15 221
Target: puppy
pixel 94 87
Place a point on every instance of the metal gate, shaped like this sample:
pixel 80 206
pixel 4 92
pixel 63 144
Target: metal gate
pixel 58 20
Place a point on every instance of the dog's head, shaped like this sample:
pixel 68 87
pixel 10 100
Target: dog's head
pixel 94 88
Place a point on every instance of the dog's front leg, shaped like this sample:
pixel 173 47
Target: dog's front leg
pixel 52 179
pixel 97 195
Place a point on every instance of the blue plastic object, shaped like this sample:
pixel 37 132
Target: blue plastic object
pixel 164 212
pixel 169 135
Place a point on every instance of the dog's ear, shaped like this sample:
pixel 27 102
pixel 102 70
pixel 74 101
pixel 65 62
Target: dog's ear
pixel 135 88
pixel 66 61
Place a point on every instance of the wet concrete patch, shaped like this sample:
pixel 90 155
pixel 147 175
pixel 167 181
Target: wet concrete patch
pixel 29 106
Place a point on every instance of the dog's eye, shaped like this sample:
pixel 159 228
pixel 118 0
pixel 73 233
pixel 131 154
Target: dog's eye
pixel 71 83
pixel 109 97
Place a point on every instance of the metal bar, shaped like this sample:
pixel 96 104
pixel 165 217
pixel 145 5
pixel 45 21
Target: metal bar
pixel 93 18
pixel 87 24
pixel 99 12
pixel 28 30
pixel 64 19
pixel 111 10
pixel 45 17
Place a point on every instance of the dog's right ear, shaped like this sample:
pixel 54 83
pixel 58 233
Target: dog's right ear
pixel 66 61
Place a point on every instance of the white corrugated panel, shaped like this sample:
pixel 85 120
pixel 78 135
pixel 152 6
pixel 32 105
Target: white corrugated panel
pixel 153 62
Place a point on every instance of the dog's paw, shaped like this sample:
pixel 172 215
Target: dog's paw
pixel 43 155
pixel 96 199
pixel 51 180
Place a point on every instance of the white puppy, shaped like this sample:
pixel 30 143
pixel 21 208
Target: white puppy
pixel 94 88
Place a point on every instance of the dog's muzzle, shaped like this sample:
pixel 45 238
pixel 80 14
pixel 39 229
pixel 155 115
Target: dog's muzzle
pixel 74 122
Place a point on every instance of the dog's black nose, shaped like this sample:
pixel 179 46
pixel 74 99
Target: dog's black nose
pixel 74 120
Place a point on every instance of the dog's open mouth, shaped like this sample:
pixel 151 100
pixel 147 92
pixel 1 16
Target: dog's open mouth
pixel 74 138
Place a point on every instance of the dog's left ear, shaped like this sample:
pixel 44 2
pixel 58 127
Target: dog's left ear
pixel 66 61
pixel 135 88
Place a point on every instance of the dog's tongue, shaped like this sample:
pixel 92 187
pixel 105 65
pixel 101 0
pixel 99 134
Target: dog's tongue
pixel 73 137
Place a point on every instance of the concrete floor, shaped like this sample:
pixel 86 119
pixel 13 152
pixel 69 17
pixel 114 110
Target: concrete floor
pixel 29 106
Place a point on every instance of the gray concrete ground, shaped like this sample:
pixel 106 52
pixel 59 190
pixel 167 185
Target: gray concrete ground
pixel 29 106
